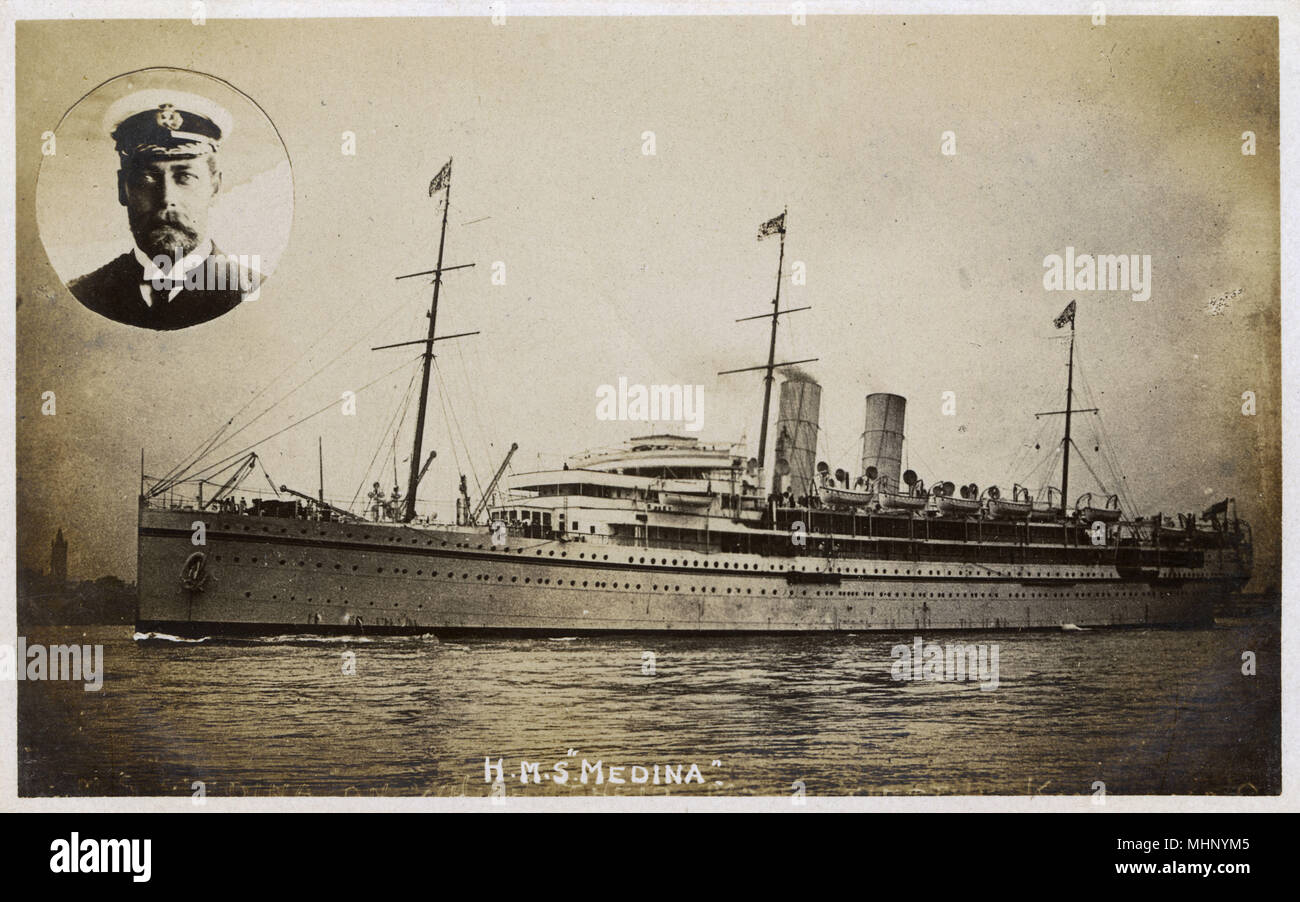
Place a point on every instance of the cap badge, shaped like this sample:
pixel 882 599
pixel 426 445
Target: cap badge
pixel 168 117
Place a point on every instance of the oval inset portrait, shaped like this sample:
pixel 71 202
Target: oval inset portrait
pixel 167 201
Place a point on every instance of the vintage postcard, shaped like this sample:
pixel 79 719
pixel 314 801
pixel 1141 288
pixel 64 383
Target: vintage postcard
pixel 567 406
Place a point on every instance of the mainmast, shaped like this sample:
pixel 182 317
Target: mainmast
pixel 771 350
pixel 441 182
pixel 1069 404
pixel 774 226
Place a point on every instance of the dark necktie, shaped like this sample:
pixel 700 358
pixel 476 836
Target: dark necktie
pixel 159 295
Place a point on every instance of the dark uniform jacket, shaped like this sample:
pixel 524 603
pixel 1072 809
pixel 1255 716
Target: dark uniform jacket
pixel 113 291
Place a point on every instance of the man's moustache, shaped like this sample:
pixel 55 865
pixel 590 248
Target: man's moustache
pixel 172 223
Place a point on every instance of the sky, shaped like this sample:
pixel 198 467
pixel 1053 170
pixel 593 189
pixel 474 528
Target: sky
pixel 924 270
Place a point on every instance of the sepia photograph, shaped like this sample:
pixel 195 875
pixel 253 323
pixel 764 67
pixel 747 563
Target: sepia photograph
pixel 627 410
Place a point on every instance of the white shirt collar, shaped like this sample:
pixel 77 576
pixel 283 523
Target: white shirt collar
pixel 188 262
pixel 172 279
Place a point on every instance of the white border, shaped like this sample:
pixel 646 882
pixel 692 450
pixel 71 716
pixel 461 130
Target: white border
pixel 1288 15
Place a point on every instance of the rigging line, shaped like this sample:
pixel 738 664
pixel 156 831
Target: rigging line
pixel 930 471
pixel 473 401
pixel 190 459
pixel 1024 454
pixel 197 451
pixel 382 440
pixel 268 477
pixel 299 422
pixel 1108 452
pixel 1109 447
pixel 1021 459
pixel 389 438
pixel 823 441
pixel 1049 458
pixel 1101 450
pixel 391 441
pixel 485 450
pixel 442 404
pixel 1120 481
pixel 1007 471
pixel 1021 451
pixel 325 366
pixel 469 458
pixel 172 479
pixel 215 477
pixel 1102 485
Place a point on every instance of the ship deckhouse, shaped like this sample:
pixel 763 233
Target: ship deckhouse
pixel 654 488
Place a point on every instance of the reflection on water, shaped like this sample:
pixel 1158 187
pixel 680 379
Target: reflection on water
pixel 1145 711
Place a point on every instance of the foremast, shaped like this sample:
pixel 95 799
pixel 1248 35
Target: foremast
pixel 441 182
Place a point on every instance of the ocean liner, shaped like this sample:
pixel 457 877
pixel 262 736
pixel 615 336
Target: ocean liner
pixel 670 534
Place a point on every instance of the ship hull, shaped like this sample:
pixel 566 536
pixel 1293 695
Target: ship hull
pixel 271 576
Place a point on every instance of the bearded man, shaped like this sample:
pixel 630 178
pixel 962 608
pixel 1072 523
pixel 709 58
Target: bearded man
pixel 169 176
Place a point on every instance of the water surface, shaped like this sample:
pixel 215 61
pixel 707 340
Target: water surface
pixel 1144 711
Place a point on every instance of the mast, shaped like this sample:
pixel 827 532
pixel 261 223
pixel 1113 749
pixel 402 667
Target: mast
pixel 771 227
pixel 1069 399
pixel 428 361
pixel 771 351
pixel 1067 315
pixel 320 452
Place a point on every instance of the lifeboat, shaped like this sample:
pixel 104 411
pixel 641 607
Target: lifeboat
pixel 964 503
pixel 1089 513
pixel 916 498
pixel 1048 509
pixel 1020 507
pixel 688 499
pixel 848 497
pixel 685 494
pixel 895 501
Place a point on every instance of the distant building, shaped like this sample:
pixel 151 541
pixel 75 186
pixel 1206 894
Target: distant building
pixel 59 559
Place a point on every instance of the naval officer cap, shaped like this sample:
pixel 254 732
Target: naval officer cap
pixel 161 124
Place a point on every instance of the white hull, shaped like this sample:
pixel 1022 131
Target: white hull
pixel 271 575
